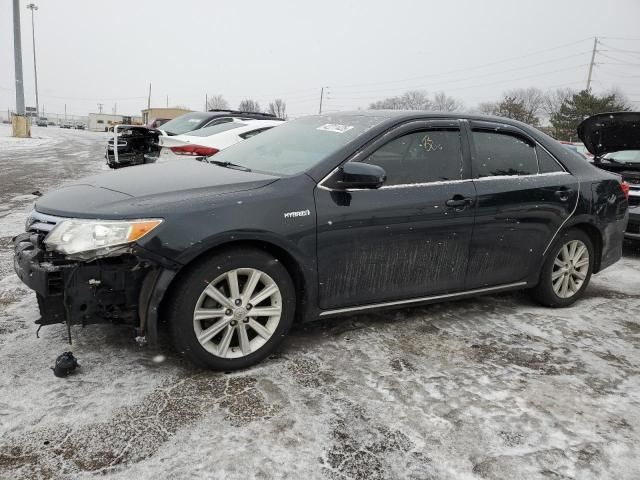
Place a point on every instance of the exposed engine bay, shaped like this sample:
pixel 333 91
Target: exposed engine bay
pixel 136 145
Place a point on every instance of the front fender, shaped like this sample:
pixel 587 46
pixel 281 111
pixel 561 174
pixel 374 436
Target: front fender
pixel 160 282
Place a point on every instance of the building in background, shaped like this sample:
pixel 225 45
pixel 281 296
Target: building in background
pixel 103 122
pixel 151 114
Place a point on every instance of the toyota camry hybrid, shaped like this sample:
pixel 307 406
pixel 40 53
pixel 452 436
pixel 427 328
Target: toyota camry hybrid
pixel 322 216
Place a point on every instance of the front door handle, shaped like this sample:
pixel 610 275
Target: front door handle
pixel 563 194
pixel 459 202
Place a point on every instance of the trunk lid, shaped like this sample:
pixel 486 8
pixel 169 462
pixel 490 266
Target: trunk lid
pixel 611 132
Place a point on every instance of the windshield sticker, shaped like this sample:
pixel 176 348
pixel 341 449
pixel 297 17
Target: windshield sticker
pixel 334 127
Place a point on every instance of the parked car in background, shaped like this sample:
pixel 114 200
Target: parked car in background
pixel 208 141
pixel 321 216
pixel 42 122
pixel 614 141
pixel 196 120
pixel 133 143
pixel 582 149
pixel 66 125
pixel 145 148
pixel 79 126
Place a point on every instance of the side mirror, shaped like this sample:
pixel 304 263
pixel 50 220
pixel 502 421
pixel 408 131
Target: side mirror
pixel 361 175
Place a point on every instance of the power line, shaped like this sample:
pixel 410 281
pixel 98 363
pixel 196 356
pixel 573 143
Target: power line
pixel 621 50
pixel 626 64
pixel 487 84
pixel 490 74
pixel 615 58
pixel 622 38
pixel 469 68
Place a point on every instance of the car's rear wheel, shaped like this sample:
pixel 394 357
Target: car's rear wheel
pixel 232 310
pixel 566 271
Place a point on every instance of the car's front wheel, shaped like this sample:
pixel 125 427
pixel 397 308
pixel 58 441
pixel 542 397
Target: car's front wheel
pixel 232 309
pixel 566 271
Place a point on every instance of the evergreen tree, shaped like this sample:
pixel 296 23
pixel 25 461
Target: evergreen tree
pixel 580 106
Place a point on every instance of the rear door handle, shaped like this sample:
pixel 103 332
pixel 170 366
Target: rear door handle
pixel 563 194
pixel 458 201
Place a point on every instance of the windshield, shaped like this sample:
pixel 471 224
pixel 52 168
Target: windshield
pixel 299 144
pixel 185 123
pixel 215 129
pixel 627 156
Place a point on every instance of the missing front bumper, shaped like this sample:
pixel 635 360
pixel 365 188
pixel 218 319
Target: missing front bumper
pixel 75 292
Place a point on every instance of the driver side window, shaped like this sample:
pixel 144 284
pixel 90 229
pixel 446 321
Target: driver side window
pixel 420 157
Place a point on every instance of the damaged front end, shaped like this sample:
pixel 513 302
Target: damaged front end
pixel 132 145
pixel 107 285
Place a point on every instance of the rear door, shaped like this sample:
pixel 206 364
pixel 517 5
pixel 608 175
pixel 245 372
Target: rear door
pixel 407 239
pixel 524 196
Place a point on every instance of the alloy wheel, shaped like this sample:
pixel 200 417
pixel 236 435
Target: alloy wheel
pixel 570 269
pixel 237 313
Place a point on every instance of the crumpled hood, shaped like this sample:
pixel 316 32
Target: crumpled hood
pixel 137 191
pixel 611 132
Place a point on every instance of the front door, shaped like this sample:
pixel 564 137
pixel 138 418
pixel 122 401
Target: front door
pixel 407 239
pixel 524 196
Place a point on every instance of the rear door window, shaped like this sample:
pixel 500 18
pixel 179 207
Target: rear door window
pixel 501 153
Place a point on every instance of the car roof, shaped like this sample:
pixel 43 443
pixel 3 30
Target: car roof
pixel 225 113
pixel 401 115
pixel 247 126
pixel 261 123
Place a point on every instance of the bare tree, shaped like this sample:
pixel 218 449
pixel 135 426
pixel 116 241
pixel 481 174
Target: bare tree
pixel 443 103
pixel 531 100
pixel 391 103
pixel 554 99
pixel 217 102
pixel 620 97
pixel 412 100
pixel 415 100
pixel 488 108
pixel 278 108
pixel 248 105
pixel 512 107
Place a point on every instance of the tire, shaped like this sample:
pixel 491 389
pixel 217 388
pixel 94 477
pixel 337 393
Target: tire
pixel 560 268
pixel 226 312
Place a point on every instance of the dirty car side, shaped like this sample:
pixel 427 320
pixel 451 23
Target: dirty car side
pixel 349 250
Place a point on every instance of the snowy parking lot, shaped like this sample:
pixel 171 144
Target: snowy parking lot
pixel 489 388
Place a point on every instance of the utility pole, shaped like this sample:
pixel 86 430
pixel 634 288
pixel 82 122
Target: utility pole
pixel 593 57
pixel 65 112
pixel 149 98
pixel 321 98
pixel 206 102
pixel 100 107
pixel 17 55
pixel 33 7
pixel 167 101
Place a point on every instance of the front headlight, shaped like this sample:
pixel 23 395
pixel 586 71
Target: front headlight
pixel 97 237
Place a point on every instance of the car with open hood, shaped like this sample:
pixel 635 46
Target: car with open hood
pixel 614 140
pixel 321 216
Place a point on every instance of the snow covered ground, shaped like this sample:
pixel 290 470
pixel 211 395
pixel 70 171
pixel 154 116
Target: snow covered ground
pixel 489 388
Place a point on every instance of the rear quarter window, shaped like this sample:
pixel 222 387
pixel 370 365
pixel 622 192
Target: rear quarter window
pixel 546 163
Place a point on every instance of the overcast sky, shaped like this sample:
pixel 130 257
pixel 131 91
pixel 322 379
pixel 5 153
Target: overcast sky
pixel 108 52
